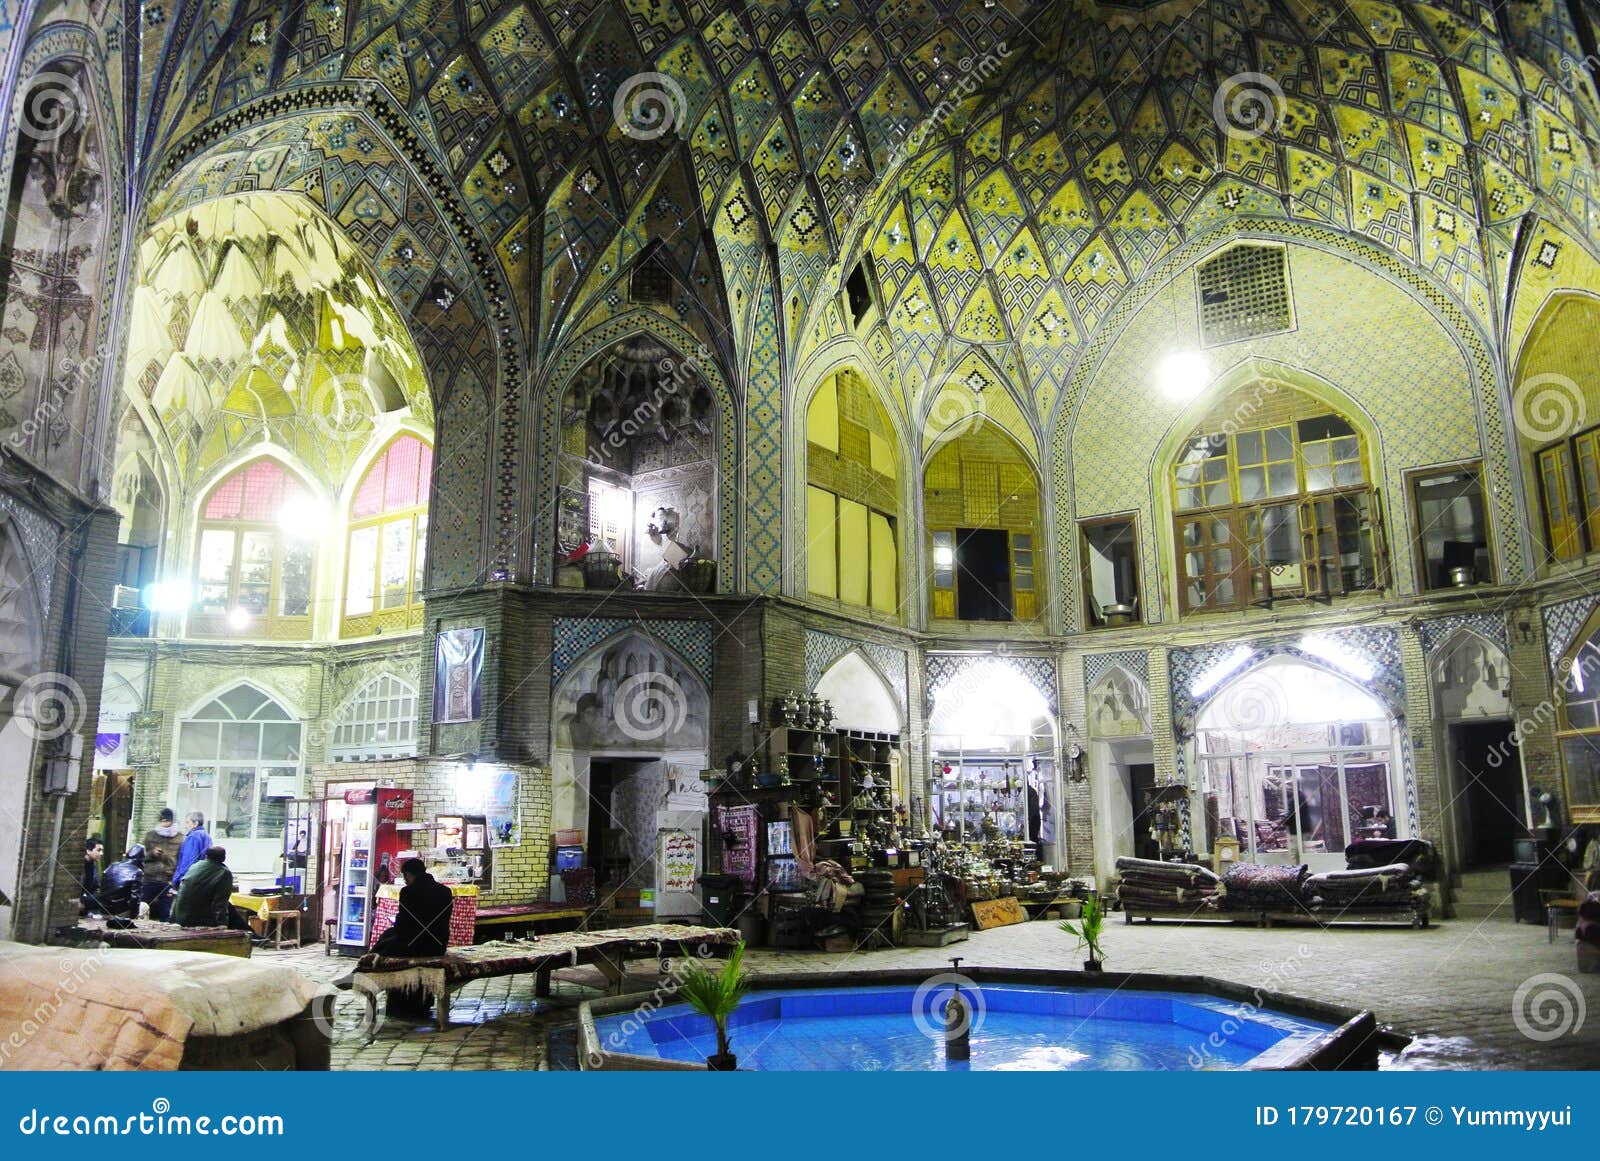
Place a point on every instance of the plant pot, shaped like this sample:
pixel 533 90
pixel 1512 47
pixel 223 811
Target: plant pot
pixel 1092 965
pixel 698 576
pixel 600 569
pixel 722 1062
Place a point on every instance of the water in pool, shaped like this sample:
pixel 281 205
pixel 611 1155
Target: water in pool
pixel 1017 1027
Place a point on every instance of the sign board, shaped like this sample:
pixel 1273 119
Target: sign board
pixel 998 913
pixel 144 738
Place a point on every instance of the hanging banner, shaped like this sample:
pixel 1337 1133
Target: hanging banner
pixel 680 860
pixel 458 677
pixel 144 738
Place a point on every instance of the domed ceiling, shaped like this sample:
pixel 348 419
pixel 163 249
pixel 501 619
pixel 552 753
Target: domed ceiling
pixel 1058 150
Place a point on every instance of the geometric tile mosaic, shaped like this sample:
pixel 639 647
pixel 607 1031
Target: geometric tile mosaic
pixel 1490 626
pixel 1134 661
pixel 1562 622
pixel 576 636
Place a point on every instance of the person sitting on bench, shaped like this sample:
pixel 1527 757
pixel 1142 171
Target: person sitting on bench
pixel 422 927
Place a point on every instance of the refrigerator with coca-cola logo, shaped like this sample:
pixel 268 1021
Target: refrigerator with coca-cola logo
pixel 372 845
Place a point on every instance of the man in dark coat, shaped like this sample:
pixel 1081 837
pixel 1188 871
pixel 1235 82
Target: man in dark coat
pixel 203 895
pixel 422 927
pixel 89 886
pixel 122 883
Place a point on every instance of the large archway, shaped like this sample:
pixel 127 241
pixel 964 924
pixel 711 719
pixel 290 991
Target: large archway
pixel 1295 762
pixel 629 742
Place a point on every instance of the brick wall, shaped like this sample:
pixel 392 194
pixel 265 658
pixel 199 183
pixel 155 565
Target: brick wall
pixel 519 874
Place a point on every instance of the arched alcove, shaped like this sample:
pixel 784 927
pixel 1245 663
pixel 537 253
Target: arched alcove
pixel 861 698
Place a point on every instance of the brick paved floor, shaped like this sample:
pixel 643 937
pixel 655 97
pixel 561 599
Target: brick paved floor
pixel 1450 987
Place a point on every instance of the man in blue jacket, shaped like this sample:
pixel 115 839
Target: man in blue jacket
pixel 196 842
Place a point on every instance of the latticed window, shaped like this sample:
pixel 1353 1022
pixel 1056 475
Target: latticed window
pixel 1283 509
pixel 1244 294
pixel 238 764
pixel 379 721
pixel 388 541
pixel 252 574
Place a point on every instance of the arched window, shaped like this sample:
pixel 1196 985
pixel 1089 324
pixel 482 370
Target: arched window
pixel 379 721
pixel 239 764
pixel 388 541
pixel 1272 498
pixel 1578 730
pixel 852 496
pixel 981 503
pixel 252 568
pixel 1556 398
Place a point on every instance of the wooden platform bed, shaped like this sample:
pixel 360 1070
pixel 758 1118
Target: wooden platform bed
pixel 1416 916
pixel 608 950
pixel 519 919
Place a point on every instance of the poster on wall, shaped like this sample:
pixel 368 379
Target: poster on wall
pixel 144 738
pixel 495 795
pixel 458 677
pixel 680 860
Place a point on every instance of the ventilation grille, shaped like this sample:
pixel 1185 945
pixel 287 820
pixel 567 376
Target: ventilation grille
pixel 1244 293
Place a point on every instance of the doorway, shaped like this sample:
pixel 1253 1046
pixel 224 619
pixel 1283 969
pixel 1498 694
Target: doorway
pixel 983 574
pixel 1491 807
pixel 1142 791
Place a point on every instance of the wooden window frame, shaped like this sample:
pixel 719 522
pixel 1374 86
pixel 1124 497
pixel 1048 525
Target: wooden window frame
pixel 1251 577
pixel 1578 534
pixel 272 624
pixel 838 555
pixel 398 618
pixel 1092 616
pixel 1414 479
pixel 1587 813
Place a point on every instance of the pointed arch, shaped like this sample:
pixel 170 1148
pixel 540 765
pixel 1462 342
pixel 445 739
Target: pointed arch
pixel 378 720
pixel 1118 705
pixel 862 695
pixel 631 693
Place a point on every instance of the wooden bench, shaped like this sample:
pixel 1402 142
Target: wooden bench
pixel 152 935
pixel 608 950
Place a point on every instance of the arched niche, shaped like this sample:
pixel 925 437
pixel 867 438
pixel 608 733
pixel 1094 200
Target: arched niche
pixel 853 507
pixel 981 505
pixel 1118 706
pixel 1295 760
pixel 1471 678
pixel 861 698
pixel 1556 409
pixel 703 495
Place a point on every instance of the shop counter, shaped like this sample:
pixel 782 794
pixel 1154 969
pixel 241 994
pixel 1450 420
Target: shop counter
pixel 463 912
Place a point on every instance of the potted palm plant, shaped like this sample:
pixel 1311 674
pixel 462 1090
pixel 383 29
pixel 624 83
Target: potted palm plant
pixel 715 995
pixel 1091 924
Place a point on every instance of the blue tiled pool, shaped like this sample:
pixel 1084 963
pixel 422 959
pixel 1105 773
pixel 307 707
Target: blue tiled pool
pixel 1017 1027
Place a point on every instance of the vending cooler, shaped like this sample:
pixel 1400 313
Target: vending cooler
pixel 372 844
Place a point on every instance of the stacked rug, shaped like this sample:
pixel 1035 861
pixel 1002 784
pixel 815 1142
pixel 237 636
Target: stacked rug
pixel 1145 884
pixel 1253 887
pixel 1374 888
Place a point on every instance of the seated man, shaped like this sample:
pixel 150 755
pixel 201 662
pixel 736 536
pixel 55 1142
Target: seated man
pixel 422 928
pixel 122 884
pixel 203 895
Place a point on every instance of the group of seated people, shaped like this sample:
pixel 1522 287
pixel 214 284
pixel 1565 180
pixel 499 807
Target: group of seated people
pixel 202 894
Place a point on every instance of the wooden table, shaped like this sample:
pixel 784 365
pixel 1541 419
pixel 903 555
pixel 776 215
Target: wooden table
pixel 608 950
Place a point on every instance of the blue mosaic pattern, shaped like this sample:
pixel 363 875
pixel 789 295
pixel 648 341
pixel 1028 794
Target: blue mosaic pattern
pixel 823 649
pixel 576 636
pixel 1490 626
pixel 1562 623
pixel 763 467
pixel 1039 672
pixel 1097 665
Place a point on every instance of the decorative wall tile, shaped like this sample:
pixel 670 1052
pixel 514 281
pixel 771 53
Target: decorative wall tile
pixel 576 636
